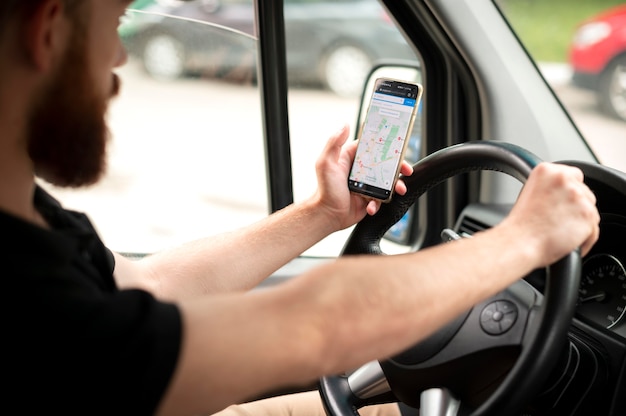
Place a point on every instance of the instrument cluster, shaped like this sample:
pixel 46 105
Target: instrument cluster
pixel 602 292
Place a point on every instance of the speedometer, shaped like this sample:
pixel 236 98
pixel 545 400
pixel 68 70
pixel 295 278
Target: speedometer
pixel 602 292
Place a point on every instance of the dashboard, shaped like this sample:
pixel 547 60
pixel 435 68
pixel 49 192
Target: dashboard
pixel 590 377
pixel 602 292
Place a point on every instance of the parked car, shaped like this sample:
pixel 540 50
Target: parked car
pixel 598 59
pixel 343 39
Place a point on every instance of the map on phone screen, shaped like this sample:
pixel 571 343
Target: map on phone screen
pixel 382 142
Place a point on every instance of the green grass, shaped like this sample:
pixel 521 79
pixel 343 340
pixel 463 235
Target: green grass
pixel 546 27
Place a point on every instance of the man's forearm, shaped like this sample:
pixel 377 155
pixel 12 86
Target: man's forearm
pixel 238 260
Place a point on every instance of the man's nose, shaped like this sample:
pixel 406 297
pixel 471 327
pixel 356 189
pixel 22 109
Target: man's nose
pixel 122 57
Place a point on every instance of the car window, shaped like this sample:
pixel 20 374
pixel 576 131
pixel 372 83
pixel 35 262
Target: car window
pixel 580 48
pixel 187 156
pixel 331 48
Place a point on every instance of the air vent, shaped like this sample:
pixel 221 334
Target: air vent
pixel 469 226
pixel 479 217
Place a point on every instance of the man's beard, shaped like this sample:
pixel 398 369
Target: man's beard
pixel 68 132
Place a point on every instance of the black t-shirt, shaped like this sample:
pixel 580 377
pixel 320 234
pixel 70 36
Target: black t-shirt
pixel 76 343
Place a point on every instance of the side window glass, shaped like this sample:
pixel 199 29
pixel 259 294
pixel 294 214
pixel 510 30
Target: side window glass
pixel 332 45
pixel 580 48
pixel 186 129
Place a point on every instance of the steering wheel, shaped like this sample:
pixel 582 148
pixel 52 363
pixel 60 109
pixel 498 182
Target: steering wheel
pixel 493 358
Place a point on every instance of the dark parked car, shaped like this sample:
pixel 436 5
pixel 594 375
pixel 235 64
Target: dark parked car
pixel 598 58
pixel 342 37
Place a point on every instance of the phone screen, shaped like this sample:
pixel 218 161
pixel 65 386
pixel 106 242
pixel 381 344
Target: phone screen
pixel 383 138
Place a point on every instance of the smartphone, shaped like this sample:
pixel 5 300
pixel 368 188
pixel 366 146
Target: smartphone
pixel 383 138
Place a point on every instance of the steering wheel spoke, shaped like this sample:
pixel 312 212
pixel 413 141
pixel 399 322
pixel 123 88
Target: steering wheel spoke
pixel 471 354
pixel 368 381
pixel 344 394
pixel 438 402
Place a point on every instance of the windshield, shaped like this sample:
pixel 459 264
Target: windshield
pixel 580 48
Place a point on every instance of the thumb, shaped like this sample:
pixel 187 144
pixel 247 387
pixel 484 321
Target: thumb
pixel 336 142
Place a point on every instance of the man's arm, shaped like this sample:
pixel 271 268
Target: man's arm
pixel 239 260
pixel 356 309
pixel 236 260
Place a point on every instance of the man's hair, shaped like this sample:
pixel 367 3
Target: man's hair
pixel 11 9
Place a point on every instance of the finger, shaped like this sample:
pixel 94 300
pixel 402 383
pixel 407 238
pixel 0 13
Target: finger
pixel 577 173
pixel 350 149
pixel 595 232
pixel 589 243
pixel 341 136
pixel 591 196
pixel 406 168
pixel 372 207
pixel 401 187
pixel 335 143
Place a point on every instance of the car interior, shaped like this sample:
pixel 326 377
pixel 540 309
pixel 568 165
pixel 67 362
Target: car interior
pixel 213 150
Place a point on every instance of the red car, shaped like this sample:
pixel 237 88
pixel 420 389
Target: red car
pixel 598 59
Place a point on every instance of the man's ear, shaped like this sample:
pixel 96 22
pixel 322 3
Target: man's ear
pixel 45 34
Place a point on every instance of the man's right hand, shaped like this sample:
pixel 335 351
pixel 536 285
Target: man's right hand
pixel 556 209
